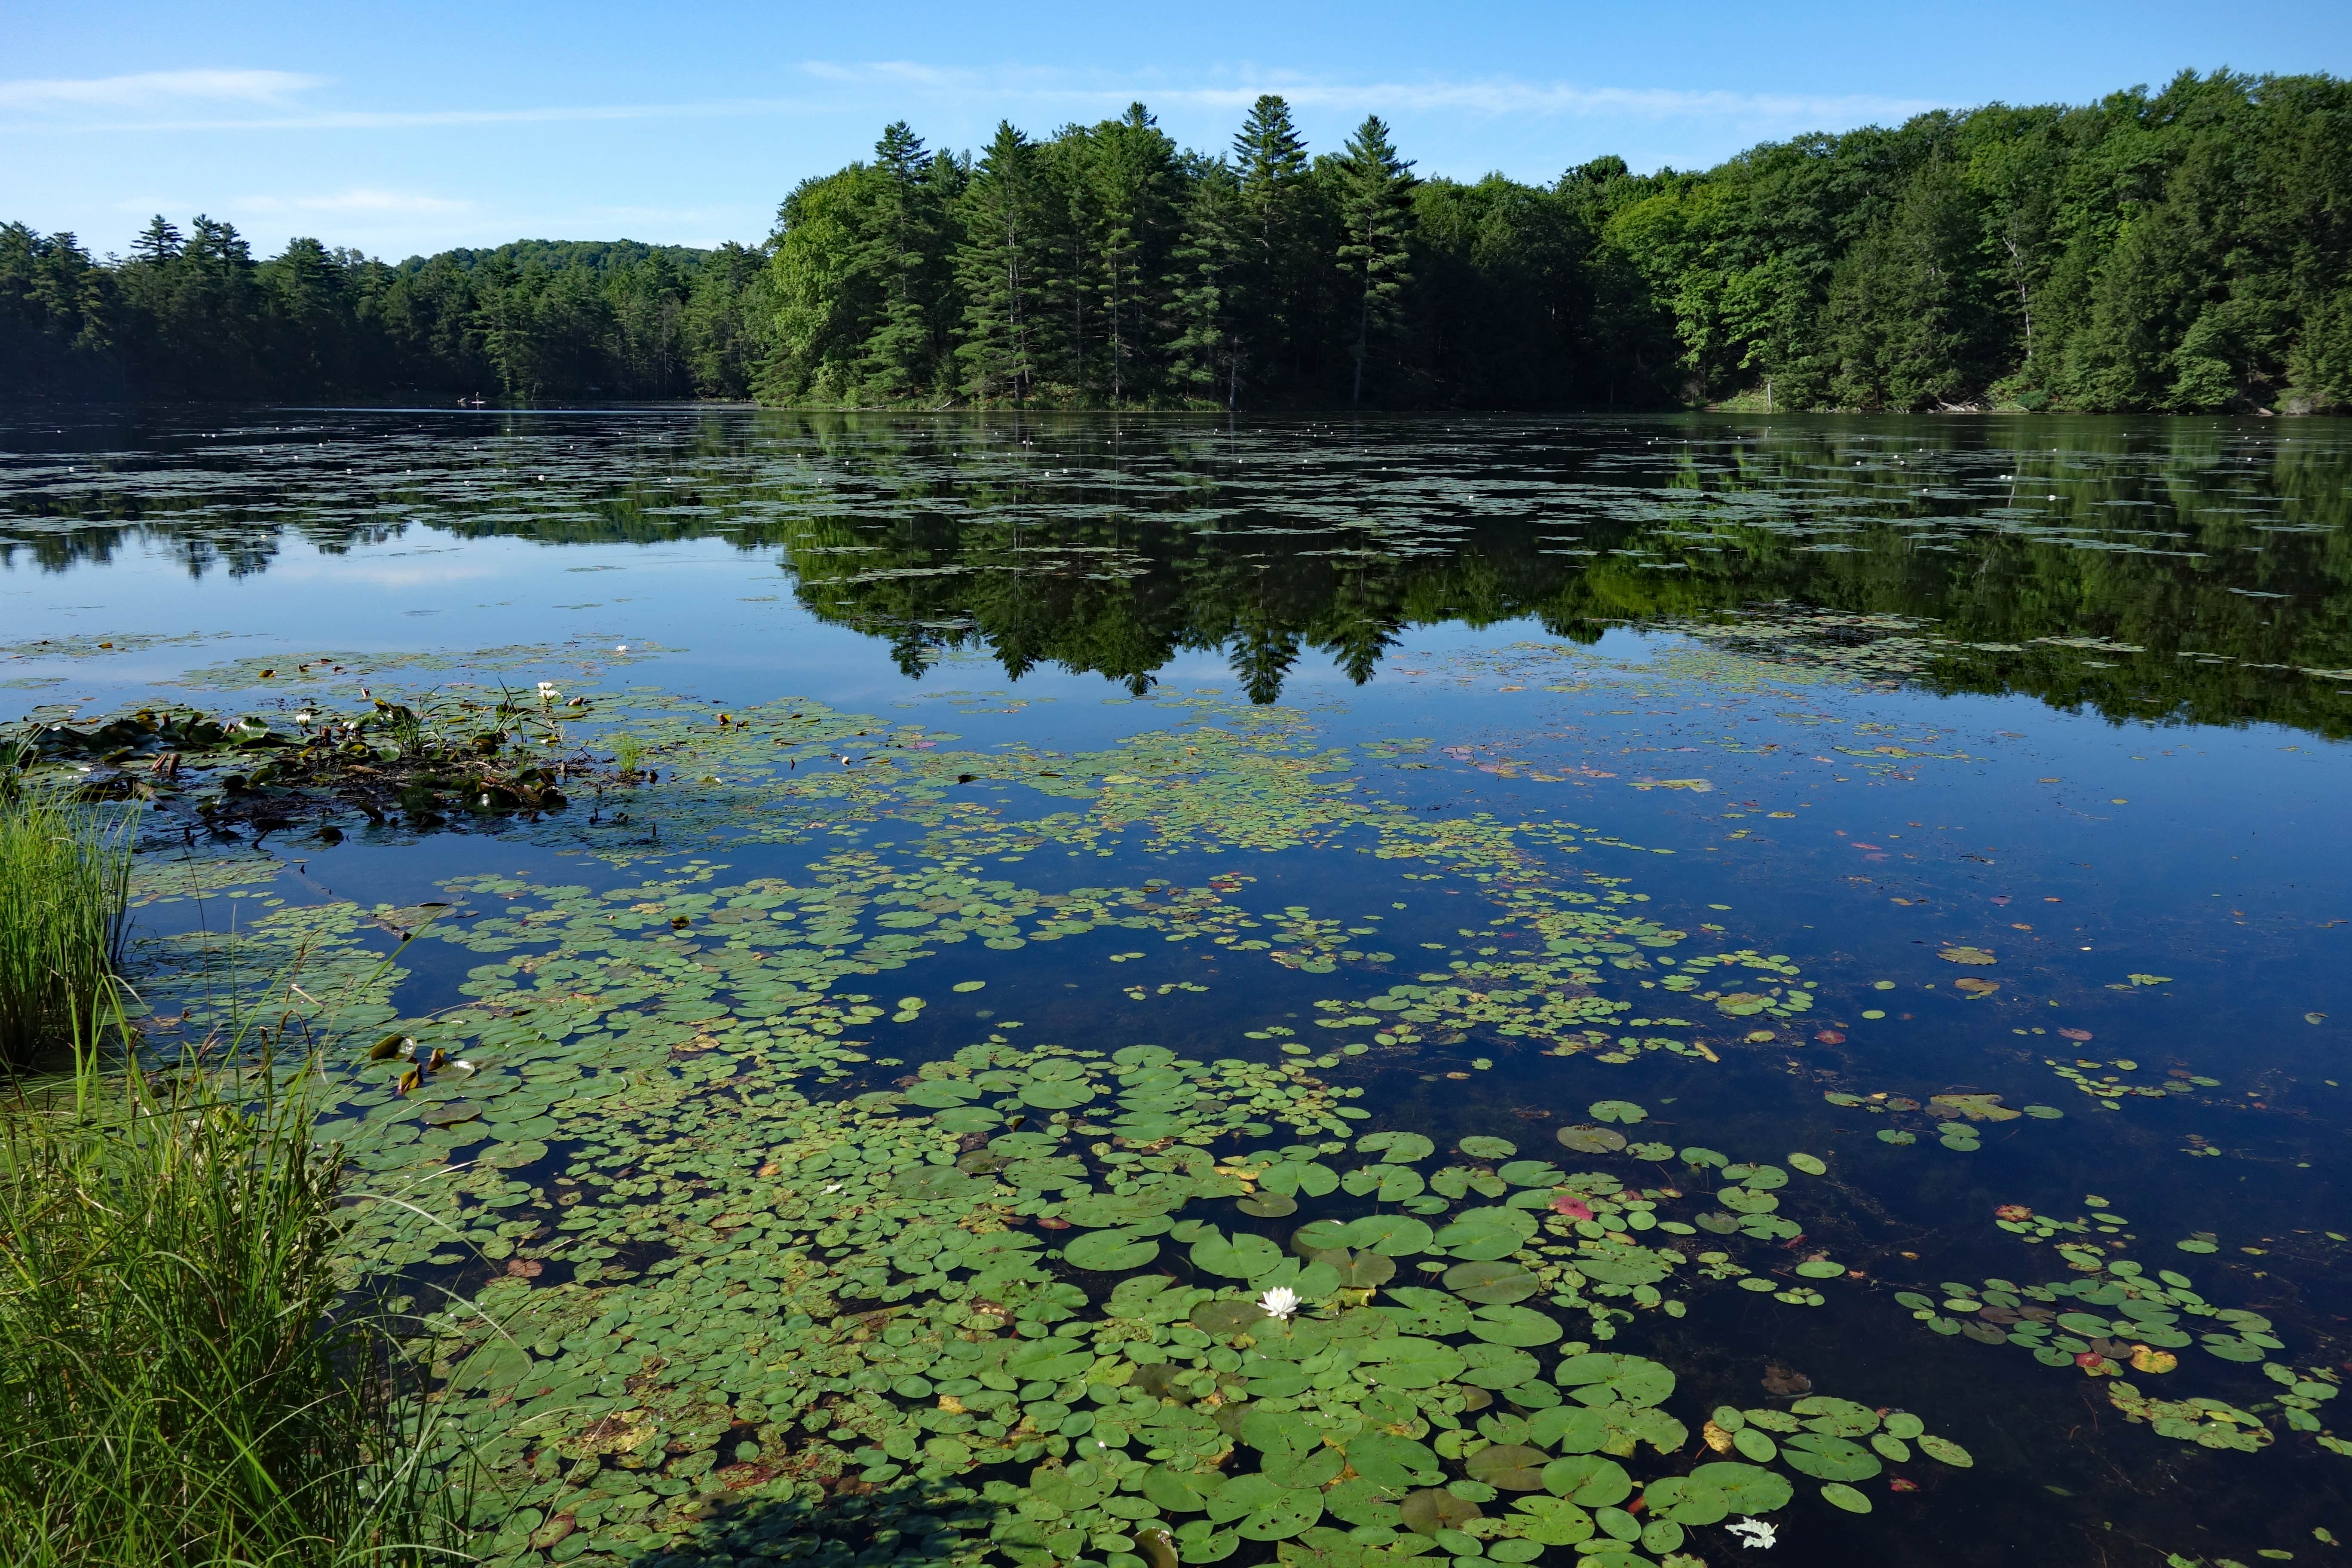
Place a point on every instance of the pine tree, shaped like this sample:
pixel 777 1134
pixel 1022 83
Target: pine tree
pixel 897 354
pixel 1376 205
pixel 1210 298
pixel 1270 161
pixel 998 266
pixel 159 242
pixel 1134 169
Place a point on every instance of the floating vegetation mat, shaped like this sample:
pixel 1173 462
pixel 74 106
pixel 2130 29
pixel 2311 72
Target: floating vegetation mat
pixel 763 1193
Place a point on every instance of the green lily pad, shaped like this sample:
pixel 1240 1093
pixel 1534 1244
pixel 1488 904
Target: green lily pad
pixel 1110 1251
pixel 1483 1148
pixel 1496 1283
pixel 1590 1140
pixel 1246 1256
pixel 1268 1206
pixel 1429 1510
pixel 449 1113
pixel 1391 1235
pixel 1055 1096
pixel 1811 1165
pixel 1623 1110
pixel 1595 1379
pixel 967 1119
pixel 1387 1460
pixel 1687 1500
pixel 1510 1467
pixel 1181 1491
pixel 1507 1325
pixel 1396 1148
pixel 1827 1458
pixel 1746 1489
pixel 1407 1362
pixel 1588 1479
pixel 1837 1494
pixel 1945 1450
pixel 1820 1268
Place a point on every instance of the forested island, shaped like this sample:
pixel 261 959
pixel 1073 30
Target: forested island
pixel 2186 250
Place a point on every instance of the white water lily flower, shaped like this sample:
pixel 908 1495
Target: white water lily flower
pixel 1279 1302
pixel 1753 1532
pixel 547 692
pixel 834 1188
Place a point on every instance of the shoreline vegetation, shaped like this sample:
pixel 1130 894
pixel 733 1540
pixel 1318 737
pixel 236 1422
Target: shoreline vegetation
pixel 186 1380
pixel 2177 251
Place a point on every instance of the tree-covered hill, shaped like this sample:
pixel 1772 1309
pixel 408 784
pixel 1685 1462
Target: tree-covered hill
pixel 2186 250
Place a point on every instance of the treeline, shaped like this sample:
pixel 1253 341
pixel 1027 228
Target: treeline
pixel 195 315
pixel 2183 251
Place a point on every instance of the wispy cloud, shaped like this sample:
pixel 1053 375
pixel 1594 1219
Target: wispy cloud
pixel 153 90
pixel 1487 95
pixel 360 201
pixel 168 96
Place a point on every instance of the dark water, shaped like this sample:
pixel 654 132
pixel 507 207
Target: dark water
pixel 2051 707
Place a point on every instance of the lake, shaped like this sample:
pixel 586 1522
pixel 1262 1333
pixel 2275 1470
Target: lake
pixel 1119 991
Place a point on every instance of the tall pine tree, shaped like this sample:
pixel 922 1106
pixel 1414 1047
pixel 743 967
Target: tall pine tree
pixel 1270 162
pixel 999 267
pixel 1376 205
pixel 900 243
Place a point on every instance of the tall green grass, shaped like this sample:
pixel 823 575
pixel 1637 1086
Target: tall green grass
pixel 64 878
pixel 180 1382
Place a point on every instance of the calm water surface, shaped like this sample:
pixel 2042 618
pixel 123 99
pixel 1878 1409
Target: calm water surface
pixel 1726 791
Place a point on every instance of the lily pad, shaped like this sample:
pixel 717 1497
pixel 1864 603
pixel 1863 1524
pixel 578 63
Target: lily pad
pixel 1687 1500
pixel 1595 1379
pixel 1510 1467
pixel 1391 1235
pixel 1111 1251
pixel 1827 1458
pixel 1592 1139
pixel 1623 1110
pixel 1496 1283
pixel 1246 1256
pixel 1746 1489
pixel 1820 1268
pixel 1811 1165
pixel 1429 1510
pixel 1588 1479
pixel 1483 1148
pixel 1507 1325
pixel 1945 1449
pixel 1837 1494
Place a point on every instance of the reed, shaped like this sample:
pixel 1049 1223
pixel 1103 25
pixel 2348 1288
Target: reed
pixel 182 1379
pixel 64 879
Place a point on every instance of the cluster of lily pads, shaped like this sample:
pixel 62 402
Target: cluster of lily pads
pixel 2113 1318
pixel 1951 1115
pixel 1037 1312
pixel 701 1271
pixel 2111 1089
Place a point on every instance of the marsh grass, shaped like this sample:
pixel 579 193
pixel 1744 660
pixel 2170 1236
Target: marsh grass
pixel 65 880
pixel 181 1381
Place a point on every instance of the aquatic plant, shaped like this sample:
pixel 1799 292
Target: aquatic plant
pixel 180 1381
pixel 65 877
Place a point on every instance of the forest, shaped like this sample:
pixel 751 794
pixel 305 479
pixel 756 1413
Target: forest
pixel 2184 250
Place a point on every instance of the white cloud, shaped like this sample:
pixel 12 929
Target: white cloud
pixel 358 200
pixel 154 89
pixel 1493 95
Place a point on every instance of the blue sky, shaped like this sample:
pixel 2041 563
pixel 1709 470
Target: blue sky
pixel 413 128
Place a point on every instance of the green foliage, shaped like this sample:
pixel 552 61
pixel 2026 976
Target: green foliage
pixel 64 874
pixel 2184 250
pixel 179 1387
